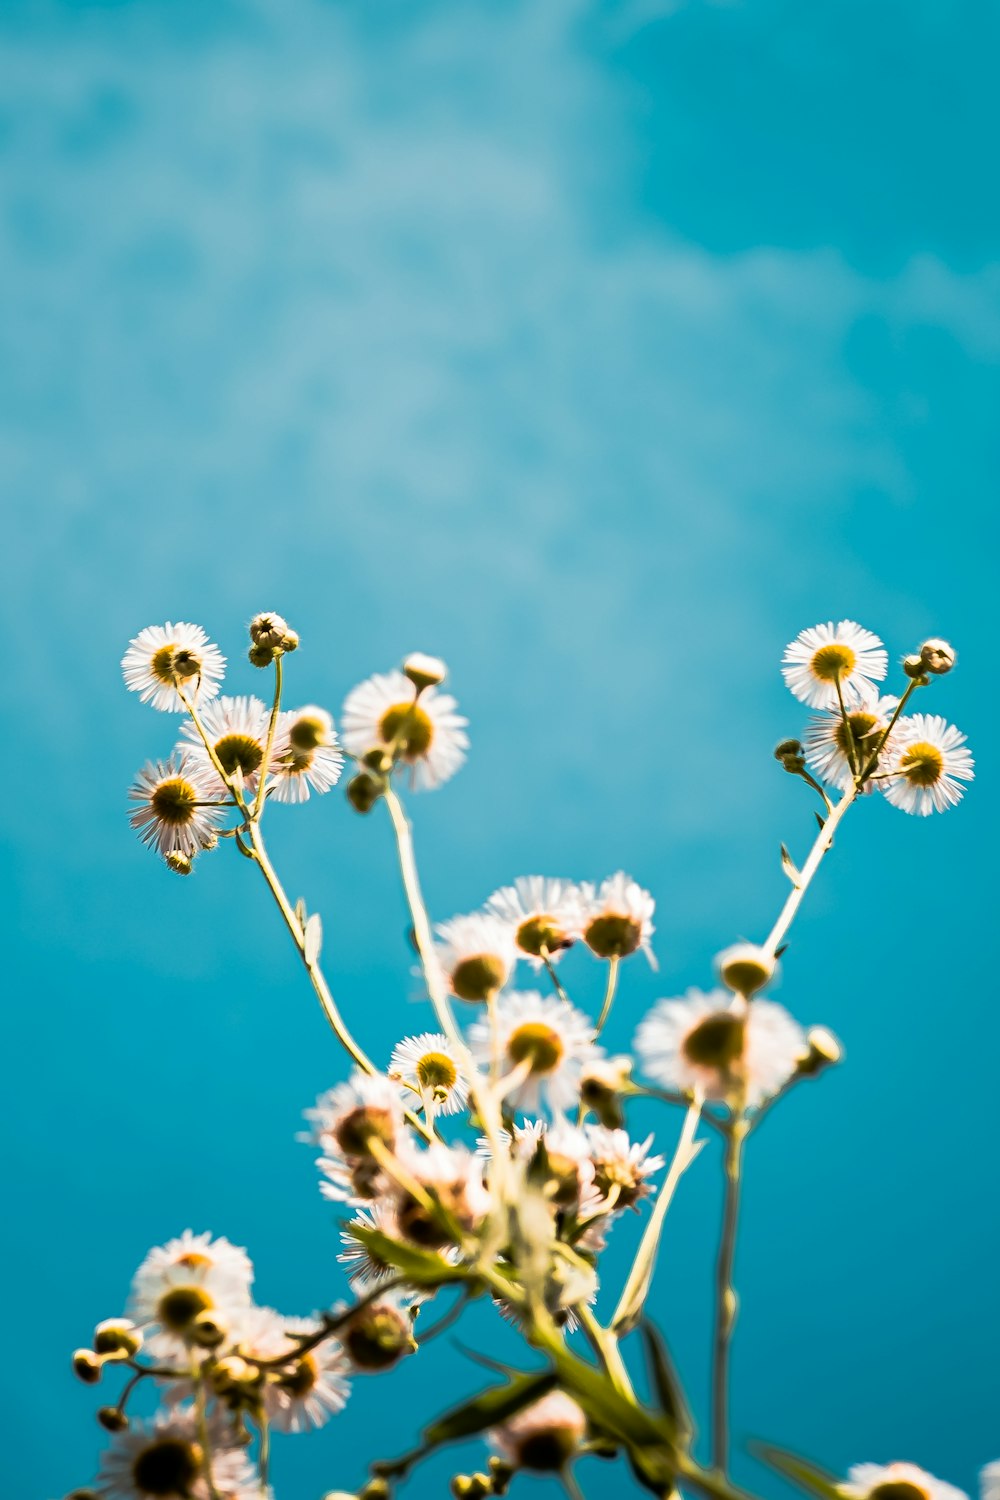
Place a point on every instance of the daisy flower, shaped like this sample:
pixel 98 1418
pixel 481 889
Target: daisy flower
pixel 543 1437
pixel 826 741
pixel 898 1481
pixel 825 655
pixel 176 812
pixel 617 917
pixel 453 1177
pixel 622 1167
pixel 419 728
pixel 544 1037
pixel 928 762
pixel 344 1122
pixel 989 1481
pixel 428 1066
pixel 363 1266
pixel 476 954
pixel 184 1278
pixel 163 1459
pixel 306 755
pixel 380 1333
pixel 237 729
pixel 306 1392
pixel 702 1041
pixel 543 914
pixel 161 656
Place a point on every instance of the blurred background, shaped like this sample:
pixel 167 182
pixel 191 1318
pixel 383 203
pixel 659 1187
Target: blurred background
pixel 598 348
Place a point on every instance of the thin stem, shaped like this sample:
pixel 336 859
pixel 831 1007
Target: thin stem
pixel 823 841
pixel 609 994
pixel 557 983
pixel 725 1295
pixel 265 765
pixel 569 1484
pixel 264 1455
pixel 910 689
pixel 201 1419
pixel 605 1346
pixel 332 1324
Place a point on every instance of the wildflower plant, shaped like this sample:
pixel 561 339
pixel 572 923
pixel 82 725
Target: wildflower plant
pixel 493 1154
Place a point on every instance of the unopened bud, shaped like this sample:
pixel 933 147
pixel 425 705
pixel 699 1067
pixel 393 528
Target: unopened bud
pixel 601 1085
pixel 745 968
pixel 208 1330
pixel 363 791
pixel 377 759
pixel 179 862
pixel 117 1338
pixel 424 671
pixel 260 656
pixel 916 669
pixel 461 1486
pixel 824 1051
pixel 376 1489
pixel 937 656
pixel 230 1372
pixel 377 1337
pixel 83 1495
pixel 87 1366
pixel 502 1473
pixel 268 630
pixel 112 1418
pixel 791 755
pixel 290 641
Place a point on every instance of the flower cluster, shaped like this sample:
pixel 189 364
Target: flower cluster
pixel 492 1155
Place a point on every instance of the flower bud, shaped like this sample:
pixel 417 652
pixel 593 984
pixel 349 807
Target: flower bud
pixel 228 1373
pixel 179 862
pixel 269 631
pixel 916 669
pixel 745 968
pixel 377 1336
pixel 112 1418
pixel 87 1366
pixel 208 1330
pixel 937 656
pixel 260 656
pixel 290 641
pixel 824 1051
pixel 424 671
pixel 376 1489
pixel 363 791
pixel 502 1473
pixel 601 1085
pixel 472 1486
pixel 117 1337
pixel 791 755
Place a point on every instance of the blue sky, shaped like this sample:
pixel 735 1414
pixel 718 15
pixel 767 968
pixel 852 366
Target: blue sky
pixel 599 349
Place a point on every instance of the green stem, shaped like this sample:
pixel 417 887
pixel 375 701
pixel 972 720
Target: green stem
pixel 907 694
pixel 265 764
pixel 725 1295
pixel 609 995
pixel 822 843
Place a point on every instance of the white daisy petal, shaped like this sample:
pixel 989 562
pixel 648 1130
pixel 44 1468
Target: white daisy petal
pixel 927 766
pixel 174 814
pixel 704 1041
pixel 237 729
pixel 826 745
pixel 162 655
pixel 425 733
pixel 544 1035
pixel 617 917
pixel 428 1066
pixel 542 914
pixel 897 1481
pixel 163 1460
pixel 820 656
pixel 476 954
pixel 306 755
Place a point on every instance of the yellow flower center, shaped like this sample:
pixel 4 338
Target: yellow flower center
pixel 862 725
pixel 169 1466
pixel 922 764
pixel 832 661
pixel 435 1070
pixel 716 1042
pixel 239 752
pixel 538 933
pixel 479 976
pixel 178 1308
pixel 361 1126
pixel 612 935
pixel 535 1043
pixel 174 801
pixel 307 733
pixel 172 661
pixel 409 727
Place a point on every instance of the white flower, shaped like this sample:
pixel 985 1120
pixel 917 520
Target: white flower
pixel 363 1266
pixel 989 1481
pixel 476 954
pixel 703 1041
pixel 928 762
pixel 897 1481
pixel 306 755
pixel 162 655
pixel 453 1177
pixel 543 914
pixel 824 654
pixel 186 1277
pixel 622 1167
pixel 237 730
pixel 422 730
pixel 544 1436
pixel 164 1460
pixel 617 917
pixel 546 1039
pixel 428 1066
pixel 175 814
pixel 305 1392
pixel 826 743
pixel 345 1122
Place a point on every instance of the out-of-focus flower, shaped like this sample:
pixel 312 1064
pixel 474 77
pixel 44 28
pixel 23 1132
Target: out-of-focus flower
pixel 617 917
pixel 544 1037
pixel 544 915
pixel 704 1042
pixel 421 731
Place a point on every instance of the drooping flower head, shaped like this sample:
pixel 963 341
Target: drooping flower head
pixel 418 728
pixel 428 1066
pixel 476 955
pixel 544 1037
pixel 928 763
pixel 452 1177
pixel 829 749
pixel 346 1122
pixel 897 1481
pixel 164 1460
pixel 617 917
pixel 306 755
pixel 163 656
pixel 175 814
pixel 622 1167
pixel 706 1042
pixel 237 731
pixel 543 1437
pixel 827 656
pixel 543 914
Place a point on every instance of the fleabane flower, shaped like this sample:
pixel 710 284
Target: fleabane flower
pixel 617 917
pixel 989 1481
pixel 927 766
pixel 175 814
pixel 363 1266
pixel 706 1042
pixel 306 1391
pixel 418 728
pixel 622 1167
pixel 544 915
pixel 237 731
pixel 827 747
pixel 427 1066
pixel 824 656
pixel 379 1334
pixel 306 755
pixel 164 1459
pixel 897 1481
pixel 543 1437
pixel 556 1156
pixel 351 1122
pixel 543 1039
pixel 183 1280
pixel 476 955
pixel 452 1177
pixel 163 656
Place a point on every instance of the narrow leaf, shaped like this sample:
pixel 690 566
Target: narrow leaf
pixel 423 1267
pixel 313 939
pixel 821 821
pixel 808 1476
pixel 789 866
pixel 300 913
pixel 490 1408
pixel 669 1391
pixel 779 951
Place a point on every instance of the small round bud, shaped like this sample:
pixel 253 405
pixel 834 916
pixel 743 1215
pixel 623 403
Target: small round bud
pixel 601 1086
pixel 937 656
pixel 230 1372
pixel 791 755
pixel 268 630
pixel 117 1337
pixel 377 1336
pixel 290 641
pixel 424 671
pixel 824 1051
pixel 745 968
pixel 112 1418
pixel 377 759
pixel 208 1330
pixel 461 1486
pixel 376 1489
pixel 363 791
pixel 916 669
pixel 260 656
pixel 179 862
pixel 87 1366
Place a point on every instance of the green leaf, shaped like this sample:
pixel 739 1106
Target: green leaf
pixel 650 1440
pixel 790 867
pixel 666 1383
pixel 300 913
pixel 422 1267
pixel 820 820
pixel 808 1476
pixel 490 1408
pixel 313 939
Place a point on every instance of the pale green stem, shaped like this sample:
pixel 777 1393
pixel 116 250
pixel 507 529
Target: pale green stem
pixel 822 843
pixel 201 1420
pixel 910 689
pixel 265 764
pixel 606 1348
pixel 609 995
pixel 557 984
pixel 725 1295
